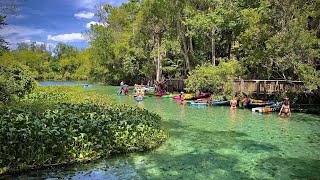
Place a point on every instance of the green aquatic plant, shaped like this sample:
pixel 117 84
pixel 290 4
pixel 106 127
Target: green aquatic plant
pixel 55 127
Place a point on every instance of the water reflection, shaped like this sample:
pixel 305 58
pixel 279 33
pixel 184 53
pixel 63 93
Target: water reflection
pixel 233 113
pixel 182 110
pixel 140 105
pixel 284 124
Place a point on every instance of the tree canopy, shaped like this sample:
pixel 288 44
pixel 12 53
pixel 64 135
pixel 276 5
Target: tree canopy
pixel 155 39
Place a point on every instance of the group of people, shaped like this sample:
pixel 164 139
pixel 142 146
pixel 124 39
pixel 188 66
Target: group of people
pixel 245 101
pixel 284 111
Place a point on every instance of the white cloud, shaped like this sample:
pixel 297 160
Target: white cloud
pixel 20 31
pixel 15 34
pixel 85 15
pixel 88 25
pixel 88 4
pixel 48 45
pixel 73 37
pixel 37 42
pixel 91 4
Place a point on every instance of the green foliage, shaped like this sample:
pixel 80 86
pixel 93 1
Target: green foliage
pixel 215 79
pixel 149 39
pixel 309 75
pixel 3 43
pixel 67 64
pixel 15 82
pixel 65 124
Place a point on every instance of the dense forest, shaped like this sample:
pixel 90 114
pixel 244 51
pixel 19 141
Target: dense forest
pixel 154 39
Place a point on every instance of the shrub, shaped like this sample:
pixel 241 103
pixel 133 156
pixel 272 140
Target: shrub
pixel 15 81
pixel 215 79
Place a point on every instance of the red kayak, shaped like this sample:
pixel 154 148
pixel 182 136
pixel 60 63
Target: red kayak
pixel 177 97
pixel 202 95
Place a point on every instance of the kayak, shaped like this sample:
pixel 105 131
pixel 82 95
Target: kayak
pixel 260 104
pixel 186 96
pixel 256 101
pixel 160 94
pixel 176 97
pixel 221 102
pixel 149 88
pixel 169 96
pixel 197 103
pixel 202 95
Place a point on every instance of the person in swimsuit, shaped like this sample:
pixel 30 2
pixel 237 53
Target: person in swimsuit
pixel 182 95
pixel 285 108
pixel 233 103
pixel 245 102
pixel 209 102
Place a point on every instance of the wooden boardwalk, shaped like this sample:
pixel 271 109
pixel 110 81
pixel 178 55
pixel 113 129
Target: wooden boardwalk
pixel 258 87
pixel 266 87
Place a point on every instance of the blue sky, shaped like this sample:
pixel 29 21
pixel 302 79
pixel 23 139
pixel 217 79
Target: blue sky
pixel 53 21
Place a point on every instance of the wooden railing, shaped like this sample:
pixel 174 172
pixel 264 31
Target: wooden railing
pixel 258 87
pixel 267 86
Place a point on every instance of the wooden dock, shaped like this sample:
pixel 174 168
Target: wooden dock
pixel 257 87
pixel 266 87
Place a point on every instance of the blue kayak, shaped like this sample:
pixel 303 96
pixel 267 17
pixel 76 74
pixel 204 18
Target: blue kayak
pixel 221 103
pixel 262 104
pixel 197 103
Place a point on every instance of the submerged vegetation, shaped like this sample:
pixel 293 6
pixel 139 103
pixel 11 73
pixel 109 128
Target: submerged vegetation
pixel 56 125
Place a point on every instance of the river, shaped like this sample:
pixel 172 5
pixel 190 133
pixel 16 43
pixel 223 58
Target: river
pixel 209 143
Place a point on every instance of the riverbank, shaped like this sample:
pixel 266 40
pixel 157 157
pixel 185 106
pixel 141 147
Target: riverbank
pixel 63 125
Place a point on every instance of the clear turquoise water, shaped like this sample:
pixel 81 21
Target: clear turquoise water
pixel 210 143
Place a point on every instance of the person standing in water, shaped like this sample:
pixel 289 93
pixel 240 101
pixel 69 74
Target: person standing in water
pixel 285 108
pixel 182 97
pixel 209 102
pixel 245 101
pixel 121 88
pixel 126 91
pixel 233 103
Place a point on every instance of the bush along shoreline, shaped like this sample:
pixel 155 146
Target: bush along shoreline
pixel 56 125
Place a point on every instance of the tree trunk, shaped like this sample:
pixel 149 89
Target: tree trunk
pixel 213 46
pixel 159 65
pixel 185 49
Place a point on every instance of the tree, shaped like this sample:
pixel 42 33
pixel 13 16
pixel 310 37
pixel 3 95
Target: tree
pixel 156 23
pixel 3 44
pixel 216 79
pixel 15 82
pixel 6 7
